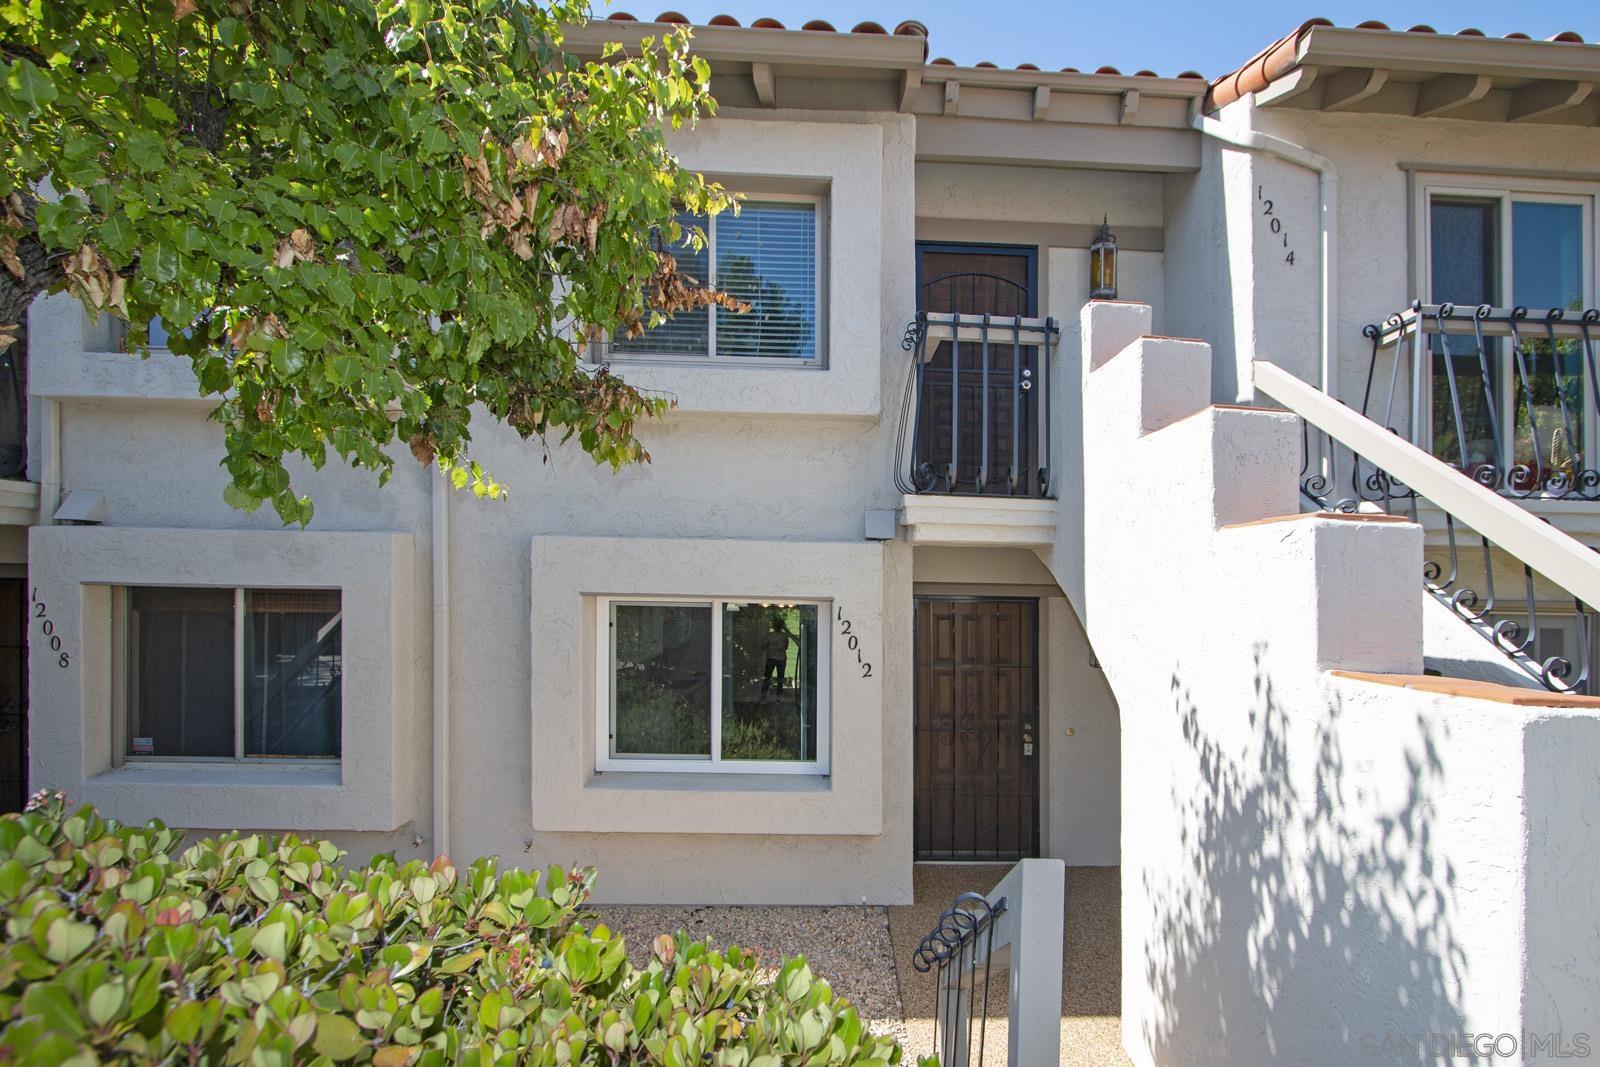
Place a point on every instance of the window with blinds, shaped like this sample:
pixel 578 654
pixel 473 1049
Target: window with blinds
pixel 767 257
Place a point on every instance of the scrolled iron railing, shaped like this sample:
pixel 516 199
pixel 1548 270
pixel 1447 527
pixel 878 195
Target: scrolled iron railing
pixel 959 949
pixel 1508 396
pixel 1349 464
pixel 975 417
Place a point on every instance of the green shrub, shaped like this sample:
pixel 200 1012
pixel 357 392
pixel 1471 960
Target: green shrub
pixel 248 949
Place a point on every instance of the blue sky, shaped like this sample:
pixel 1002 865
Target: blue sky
pixel 1166 36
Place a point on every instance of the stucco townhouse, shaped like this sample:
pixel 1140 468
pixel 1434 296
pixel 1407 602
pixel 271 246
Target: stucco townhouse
pixel 893 589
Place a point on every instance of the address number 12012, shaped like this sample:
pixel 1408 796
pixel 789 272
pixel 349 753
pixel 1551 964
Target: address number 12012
pixel 852 641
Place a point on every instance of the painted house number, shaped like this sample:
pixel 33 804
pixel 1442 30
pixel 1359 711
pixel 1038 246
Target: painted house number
pixel 63 659
pixel 1274 223
pixel 852 641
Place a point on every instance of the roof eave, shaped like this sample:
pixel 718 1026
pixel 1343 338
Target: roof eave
pixel 726 44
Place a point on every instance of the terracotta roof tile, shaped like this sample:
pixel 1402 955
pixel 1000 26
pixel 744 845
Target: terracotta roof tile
pixel 1281 56
pixel 905 28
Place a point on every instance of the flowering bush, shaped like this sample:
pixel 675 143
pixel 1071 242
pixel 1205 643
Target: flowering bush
pixel 121 948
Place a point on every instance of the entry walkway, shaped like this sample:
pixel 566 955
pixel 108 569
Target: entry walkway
pixel 1091 974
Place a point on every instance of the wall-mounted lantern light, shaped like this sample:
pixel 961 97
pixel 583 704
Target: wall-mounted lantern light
pixel 1103 264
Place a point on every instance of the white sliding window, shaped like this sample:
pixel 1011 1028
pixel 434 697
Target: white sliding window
pixel 231 674
pixel 713 685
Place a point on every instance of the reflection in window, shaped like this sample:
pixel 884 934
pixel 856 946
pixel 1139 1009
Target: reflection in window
pixel 180 691
pixel 769 682
pixel 1527 412
pixel 1547 272
pixel 766 257
pixel 769 675
pixel 1466 270
pixel 663 680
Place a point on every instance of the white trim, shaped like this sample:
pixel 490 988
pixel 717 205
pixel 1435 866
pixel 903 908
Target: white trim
pixel 1506 191
pixel 819 361
pixel 605 690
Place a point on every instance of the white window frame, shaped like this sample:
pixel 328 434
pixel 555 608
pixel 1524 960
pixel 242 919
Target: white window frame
pixel 606 704
pixel 1505 191
pixel 820 327
pixel 122 700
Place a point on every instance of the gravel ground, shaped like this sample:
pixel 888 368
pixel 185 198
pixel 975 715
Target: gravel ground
pixel 849 946
pixel 865 953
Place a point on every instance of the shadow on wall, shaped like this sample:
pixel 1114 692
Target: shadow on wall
pixel 1324 934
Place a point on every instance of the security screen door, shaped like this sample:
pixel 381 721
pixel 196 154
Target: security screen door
pixel 976 731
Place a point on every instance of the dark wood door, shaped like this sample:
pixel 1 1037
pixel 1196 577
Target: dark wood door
pixel 976 730
pixel 974 413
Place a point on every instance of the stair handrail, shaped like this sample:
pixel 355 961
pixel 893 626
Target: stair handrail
pixel 1560 557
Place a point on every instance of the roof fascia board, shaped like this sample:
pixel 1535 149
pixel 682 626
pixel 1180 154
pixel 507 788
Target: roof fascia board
pixel 860 51
pixel 1329 46
pixel 960 139
pixel 1109 84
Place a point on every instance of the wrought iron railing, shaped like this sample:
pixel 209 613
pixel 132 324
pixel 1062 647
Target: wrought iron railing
pixel 1339 474
pixel 975 420
pixel 1507 396
pixel 959 950
pixel 1017 929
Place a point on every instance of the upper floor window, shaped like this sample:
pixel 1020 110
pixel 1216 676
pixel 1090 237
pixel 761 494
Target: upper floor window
pixel 1525 244
pixel 241 674
pixel 769 256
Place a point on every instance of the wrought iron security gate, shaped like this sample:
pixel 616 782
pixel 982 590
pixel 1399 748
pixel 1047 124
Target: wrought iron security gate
pixel 977 395
pixel 975 732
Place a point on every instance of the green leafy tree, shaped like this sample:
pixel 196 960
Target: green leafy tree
pixel 360 219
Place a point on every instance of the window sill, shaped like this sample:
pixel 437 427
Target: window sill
pixel 717 782
pixel 323 774
pixel 724 362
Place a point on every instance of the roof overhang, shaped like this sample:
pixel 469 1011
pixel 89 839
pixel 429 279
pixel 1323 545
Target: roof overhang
pixel 1375 71
pixel 964 114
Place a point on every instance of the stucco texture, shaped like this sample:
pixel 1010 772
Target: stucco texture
pixel 1310 864
pixel 372 787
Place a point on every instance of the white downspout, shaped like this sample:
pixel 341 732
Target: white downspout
pixel 1328 208
pixel 49 460
pixel 441 663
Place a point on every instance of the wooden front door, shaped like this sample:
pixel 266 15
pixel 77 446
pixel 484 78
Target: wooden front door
pixel 977 412
pixel 976 730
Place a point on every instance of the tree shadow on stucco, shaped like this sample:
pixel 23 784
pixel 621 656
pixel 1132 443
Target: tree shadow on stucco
pixel 1323 932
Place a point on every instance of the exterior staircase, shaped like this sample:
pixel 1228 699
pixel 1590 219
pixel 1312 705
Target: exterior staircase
pixel 1327 854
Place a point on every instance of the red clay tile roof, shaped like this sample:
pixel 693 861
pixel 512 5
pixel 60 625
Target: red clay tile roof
pixel 908 28
pixel 1280 57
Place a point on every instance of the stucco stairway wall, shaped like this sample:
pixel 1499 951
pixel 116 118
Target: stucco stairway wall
pixel 1316 869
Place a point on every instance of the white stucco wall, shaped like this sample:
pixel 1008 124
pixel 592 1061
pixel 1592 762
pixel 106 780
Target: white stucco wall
pixel 1227 281
pixel 1312 866
pixel 778 465
pixel 733 462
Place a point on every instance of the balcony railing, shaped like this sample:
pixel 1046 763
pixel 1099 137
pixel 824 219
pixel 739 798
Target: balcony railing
pixel 1507 396
pixel 974 418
